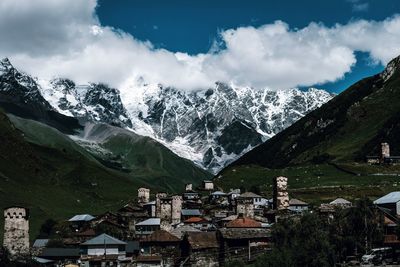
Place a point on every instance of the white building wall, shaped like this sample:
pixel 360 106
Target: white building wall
pixel 100 251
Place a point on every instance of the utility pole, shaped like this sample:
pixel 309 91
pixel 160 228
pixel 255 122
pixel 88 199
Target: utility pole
pixel 366 231
pixel 249 252
pixel 105 251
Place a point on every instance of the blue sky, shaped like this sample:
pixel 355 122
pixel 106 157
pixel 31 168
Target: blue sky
pixel 192 26
pixel 190 45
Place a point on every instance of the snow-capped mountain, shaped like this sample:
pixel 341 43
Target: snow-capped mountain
pixel 90 102
pixel 211 127
pixel 19 87
pixel 215 126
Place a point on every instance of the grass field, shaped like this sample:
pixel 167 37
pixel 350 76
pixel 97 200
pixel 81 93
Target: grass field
pixel 317 183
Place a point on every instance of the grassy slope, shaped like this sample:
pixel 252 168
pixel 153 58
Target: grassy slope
pixel 56 178
pixel 341 132
pixel 147 159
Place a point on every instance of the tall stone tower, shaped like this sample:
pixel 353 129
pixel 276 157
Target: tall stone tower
pixel 176 209
pixel 159 196
pixel 245 207
pixel 385 151
pixel 143 195
pixel 166 209
pixel 280 194
pixel 16 231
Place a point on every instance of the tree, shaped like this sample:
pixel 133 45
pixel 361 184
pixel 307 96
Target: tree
pixel 47 228
pixel 354 230
pixel 301 242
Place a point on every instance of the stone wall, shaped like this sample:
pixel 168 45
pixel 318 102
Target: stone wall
pixel 16 231
pixel 205 258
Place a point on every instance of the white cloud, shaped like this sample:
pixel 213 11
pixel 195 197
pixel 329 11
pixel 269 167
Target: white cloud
pixel 359 5
pixel 64 38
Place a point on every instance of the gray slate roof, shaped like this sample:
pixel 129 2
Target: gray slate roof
pixel 103 239
pixel 191 212
pixel 181 231
pixel 340 201
pixel 297 202
pixel 392 197
pixel 40 243
pixel 151 221
pixel 249 195
pixel 218 193
pixel 81 217
pixel 244 233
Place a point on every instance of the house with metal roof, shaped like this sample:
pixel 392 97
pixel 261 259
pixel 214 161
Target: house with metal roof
pixel 188 213
pixel 341 202
pixel 79 221
pixel 200 249
pixel 103 248
pixel 297 206
pixel 81 218
pixel 180 231
pixel 257 199
pixel 147 227
pixel 164 244
pixel 218 195
pixel 390 202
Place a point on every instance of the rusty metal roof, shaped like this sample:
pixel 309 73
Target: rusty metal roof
pixel 202 240
pixel 244 233
pixel 243 222
pixel 160 236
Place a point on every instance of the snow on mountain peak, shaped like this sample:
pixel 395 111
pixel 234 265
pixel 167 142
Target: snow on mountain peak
pixel 214 126
pixel 211 127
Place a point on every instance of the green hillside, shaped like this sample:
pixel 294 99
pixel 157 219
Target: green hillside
pixel 348 128
pixel 332 141
pixel 45 170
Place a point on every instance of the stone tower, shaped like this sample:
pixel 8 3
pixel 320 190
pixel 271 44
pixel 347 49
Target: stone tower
pixel 166 209
pixel 280 194
pixel 245 207
pixel 143 195
pixel 385 151
pixel 188 187
pixel 176 209
pixel 16 231
pixel 159 196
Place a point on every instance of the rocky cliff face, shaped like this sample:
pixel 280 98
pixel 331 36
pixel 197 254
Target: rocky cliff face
pixel 21 95
pixel 90 102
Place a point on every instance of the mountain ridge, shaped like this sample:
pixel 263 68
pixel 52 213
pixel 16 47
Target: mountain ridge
pixel 348 128
pixel 195 125
pixel 211 127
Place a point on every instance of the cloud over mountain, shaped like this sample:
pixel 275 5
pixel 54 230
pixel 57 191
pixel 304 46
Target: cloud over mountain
pixel 65 38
